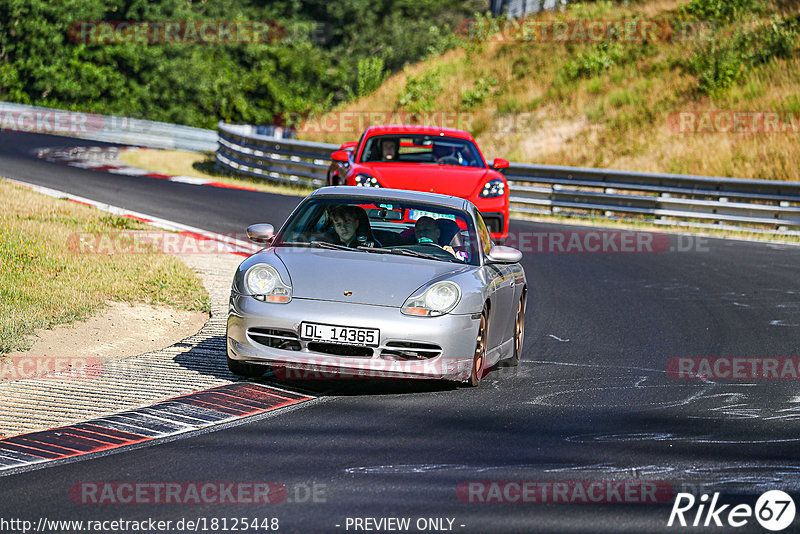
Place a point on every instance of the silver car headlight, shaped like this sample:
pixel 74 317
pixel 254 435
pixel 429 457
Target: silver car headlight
pixel 438 299
pixel 493 188
pixel 365 180
pixel 264 283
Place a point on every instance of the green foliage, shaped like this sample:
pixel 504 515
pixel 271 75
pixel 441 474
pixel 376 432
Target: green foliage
pixel 791 104
pixel 716 65
pixel 330 52
pixel 600 10
pixel 482 27
pixel 520 68
pixel 370 75
pixel 484 87
pixel 777 39
pixel 719 63
pixel 721 10
pixel 420 92
pixel 597 60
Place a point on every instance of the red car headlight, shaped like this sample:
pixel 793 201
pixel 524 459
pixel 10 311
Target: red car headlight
pixel 493 188
pixel 365 180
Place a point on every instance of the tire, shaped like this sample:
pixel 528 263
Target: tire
pixel 519 331
pixel 249 370
pixel 479 358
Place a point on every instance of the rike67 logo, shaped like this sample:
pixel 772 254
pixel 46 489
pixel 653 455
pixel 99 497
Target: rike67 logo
pixel 774 510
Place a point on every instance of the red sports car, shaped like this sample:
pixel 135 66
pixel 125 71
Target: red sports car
pixel 426 158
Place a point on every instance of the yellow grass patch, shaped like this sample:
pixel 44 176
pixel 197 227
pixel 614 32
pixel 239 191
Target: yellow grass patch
pixel 45 281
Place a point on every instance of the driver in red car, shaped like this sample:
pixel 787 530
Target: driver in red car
pixel 389 149
pixel 445 155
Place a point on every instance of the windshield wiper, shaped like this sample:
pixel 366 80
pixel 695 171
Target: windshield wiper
pixel 333 246
pixel 293 244
pixel 401 251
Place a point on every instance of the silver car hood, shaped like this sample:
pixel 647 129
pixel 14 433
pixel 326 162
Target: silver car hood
pixel 376 279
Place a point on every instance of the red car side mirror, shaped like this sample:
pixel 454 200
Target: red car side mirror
pixel 341 155
pixel 500 163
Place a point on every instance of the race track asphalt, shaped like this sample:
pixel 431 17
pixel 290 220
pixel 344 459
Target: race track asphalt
pixel 590 401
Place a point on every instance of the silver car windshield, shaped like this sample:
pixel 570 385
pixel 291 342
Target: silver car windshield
pixel 369 226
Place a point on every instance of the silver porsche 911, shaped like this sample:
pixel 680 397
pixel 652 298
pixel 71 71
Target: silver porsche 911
pixel 363 282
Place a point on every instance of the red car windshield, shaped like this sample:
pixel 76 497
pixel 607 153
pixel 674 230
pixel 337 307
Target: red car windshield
pixel 405 148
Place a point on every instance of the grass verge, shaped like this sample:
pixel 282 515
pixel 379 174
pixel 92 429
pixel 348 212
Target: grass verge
pixel 43 283
pixel 197 165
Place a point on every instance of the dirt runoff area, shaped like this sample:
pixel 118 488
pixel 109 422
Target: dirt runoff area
pixel 119 331
pixel 122 330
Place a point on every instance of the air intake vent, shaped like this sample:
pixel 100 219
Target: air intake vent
pixel 340 350
pixel 407 350
pixel 274 339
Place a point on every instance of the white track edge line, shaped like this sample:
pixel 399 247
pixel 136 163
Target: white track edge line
pixel 150 219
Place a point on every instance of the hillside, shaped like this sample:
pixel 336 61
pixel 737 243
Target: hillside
pixel 196 63
pixel 714 90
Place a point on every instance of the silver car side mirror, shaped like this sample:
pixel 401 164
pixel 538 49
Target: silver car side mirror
pixel 501 254
pixel 261 233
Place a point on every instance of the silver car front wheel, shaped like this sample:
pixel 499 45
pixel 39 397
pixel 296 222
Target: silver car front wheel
pixel 479 358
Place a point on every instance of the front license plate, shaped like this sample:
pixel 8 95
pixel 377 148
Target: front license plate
pixel 367 337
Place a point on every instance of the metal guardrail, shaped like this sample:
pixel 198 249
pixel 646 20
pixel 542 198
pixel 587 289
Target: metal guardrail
pixel 107 128
pixel 537 189
pixel 691 199
pixel 522 8
pixel 700 201
pixel 284 160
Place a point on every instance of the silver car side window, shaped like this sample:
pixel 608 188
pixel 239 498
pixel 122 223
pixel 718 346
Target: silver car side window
pixel 483 234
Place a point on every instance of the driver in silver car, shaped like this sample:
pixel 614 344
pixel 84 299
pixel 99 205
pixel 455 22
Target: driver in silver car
pixel 351 227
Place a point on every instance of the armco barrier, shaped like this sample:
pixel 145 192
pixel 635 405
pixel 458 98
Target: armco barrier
pixel 546 189
pixel 691 199
pixel 284 160
pixel 699 201
pixel 107 128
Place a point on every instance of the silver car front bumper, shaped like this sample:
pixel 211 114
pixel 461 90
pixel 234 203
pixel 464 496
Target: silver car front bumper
pixel 396 355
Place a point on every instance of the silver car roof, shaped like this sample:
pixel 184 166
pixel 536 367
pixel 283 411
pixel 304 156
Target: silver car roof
pixel 383 194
